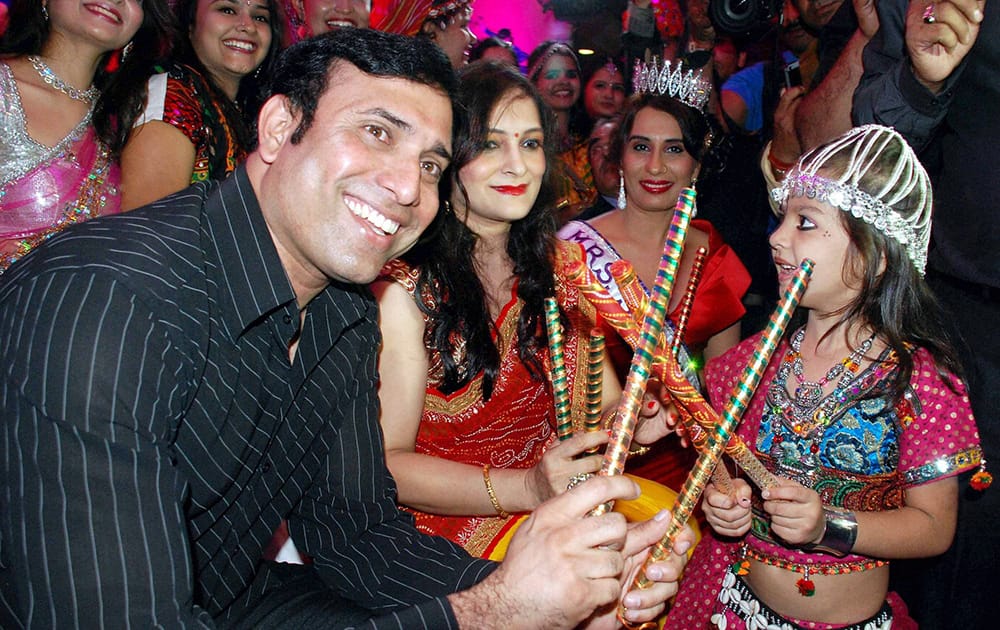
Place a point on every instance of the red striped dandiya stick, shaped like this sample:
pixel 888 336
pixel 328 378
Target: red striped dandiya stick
pixel 627 414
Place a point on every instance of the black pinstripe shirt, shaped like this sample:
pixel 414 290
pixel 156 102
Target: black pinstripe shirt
pixel 155 433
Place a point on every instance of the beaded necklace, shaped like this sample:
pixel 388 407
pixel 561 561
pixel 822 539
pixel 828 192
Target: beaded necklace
pixel 48 75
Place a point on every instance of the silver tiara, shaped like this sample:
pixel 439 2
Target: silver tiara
pixel 687 86
pixel 864 146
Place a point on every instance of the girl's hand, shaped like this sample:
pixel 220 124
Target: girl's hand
pixel 657 417
pixel 796 513
pixel 728 515
pixel 559 465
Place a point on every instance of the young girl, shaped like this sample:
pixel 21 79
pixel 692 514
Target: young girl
pixel 860 413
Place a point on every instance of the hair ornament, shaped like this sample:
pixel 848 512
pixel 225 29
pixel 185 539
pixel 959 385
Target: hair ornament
pixel 863 147
pixel 555 48
pixel 685 85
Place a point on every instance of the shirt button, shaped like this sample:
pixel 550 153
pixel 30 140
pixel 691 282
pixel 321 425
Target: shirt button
pixel 265 467
pixel 287 318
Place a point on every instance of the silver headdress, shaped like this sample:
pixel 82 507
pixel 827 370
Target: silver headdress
pixel 861 148
pixel 687 86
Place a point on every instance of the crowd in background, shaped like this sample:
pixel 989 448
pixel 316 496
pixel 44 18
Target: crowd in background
pixel 114 105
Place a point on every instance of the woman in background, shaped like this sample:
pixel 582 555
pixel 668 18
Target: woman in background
pixel 554 69
pixel 198 107
pixel 57 99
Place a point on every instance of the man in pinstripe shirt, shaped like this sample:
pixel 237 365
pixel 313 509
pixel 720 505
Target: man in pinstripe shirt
pixel 180 379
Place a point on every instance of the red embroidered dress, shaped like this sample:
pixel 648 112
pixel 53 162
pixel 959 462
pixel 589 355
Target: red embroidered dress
pixel 510 430
pixel 180 96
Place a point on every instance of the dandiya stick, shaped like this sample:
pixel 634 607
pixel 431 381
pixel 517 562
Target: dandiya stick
pixel 689 401
pixel 560 380
pixel 595 381
pixel 720 476
pixel 695 483
pixel 688 302
pixel 627 414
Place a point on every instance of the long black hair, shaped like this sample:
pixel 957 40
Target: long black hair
pixel 119 76
pixel 448 271
pixel 241 114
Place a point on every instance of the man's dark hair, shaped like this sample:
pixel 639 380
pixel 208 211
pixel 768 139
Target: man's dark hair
pixel 303 71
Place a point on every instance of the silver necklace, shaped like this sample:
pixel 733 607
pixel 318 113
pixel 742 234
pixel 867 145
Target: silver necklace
pixel 808 393
pixel 50 77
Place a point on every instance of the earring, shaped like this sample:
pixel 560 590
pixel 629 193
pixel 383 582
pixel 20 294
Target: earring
pixel 447 207
pixel 127 49
pixel 621 190
pixel 45 12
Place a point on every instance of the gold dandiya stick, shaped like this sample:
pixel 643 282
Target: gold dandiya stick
pixel 627 414
pixel 695 483
pixel 688 302
pixel 595 381
pixel 560 380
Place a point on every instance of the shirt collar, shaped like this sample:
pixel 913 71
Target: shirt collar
pixel 250 272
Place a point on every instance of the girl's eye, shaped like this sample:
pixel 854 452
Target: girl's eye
pixel 263 19
pixel 490 144
pixel 675 148
pixel 552 75
pixel 227 10
pixel 572 74
pixel 640 147
pixel 618 87
pixel 805 223
pixel 532 143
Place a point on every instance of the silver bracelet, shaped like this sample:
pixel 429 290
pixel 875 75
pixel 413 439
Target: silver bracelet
pixel 840 533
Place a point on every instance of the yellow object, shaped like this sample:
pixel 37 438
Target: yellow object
pixel 655 497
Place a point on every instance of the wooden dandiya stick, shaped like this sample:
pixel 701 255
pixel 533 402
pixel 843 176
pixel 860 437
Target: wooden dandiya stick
pixel 696 481
pixel 720 476
pixel 595 381
pixel 559 377
pixel 627 414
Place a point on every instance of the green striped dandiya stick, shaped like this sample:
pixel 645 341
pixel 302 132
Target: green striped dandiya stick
pixel 627 414
pixel 708 458
pixel 557 359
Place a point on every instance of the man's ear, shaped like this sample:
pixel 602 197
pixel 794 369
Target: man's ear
pixel 275 125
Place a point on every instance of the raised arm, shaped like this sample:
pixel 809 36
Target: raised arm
pixel 910 65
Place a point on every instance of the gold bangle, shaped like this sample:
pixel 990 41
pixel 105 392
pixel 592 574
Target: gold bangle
pixel 638 450
pixel 490 491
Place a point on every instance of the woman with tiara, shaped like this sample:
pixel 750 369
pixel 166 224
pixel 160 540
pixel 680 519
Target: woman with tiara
pixel 59 67
pixel 660 146
pixel 861 414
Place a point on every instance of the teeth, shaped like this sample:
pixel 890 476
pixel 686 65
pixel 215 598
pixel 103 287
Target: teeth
pixel 338 23
pixel 104 11
pixel 233 43
pixel 373 216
